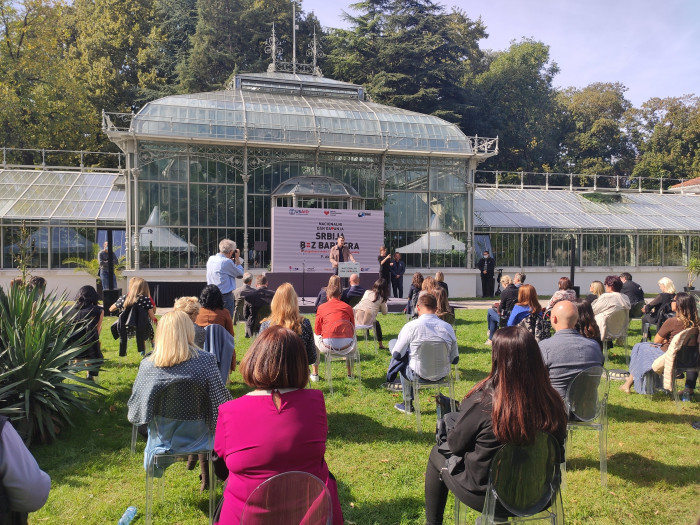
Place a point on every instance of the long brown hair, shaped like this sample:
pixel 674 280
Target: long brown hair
pixel 333 290
pixel 137 286
pixel 686 310
pixel 417 280
pixel 527 296
pixel 524 401
pixel 276 359
pixel 586 325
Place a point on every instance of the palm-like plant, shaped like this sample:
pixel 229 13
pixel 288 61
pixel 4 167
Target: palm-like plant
pixel 39 382
pixel 92 266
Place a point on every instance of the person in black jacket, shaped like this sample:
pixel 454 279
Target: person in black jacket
pixel 254 302
pixel 483 424
pixel 486 266
pixel 631 289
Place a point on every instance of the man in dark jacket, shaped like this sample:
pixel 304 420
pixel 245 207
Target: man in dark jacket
pixel 487 265
pixel 355 290
pixel 254 302
pixel 631 289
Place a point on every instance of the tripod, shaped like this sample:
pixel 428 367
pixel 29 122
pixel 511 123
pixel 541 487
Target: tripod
pixel 303 283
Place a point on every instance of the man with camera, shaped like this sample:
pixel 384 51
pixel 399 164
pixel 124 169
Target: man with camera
pixel 222 270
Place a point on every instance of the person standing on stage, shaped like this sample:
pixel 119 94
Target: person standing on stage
pixel 487 265
pixel 108 279
pixel 222 270
pixel 384 259
pixel 340 253
pixel 398 268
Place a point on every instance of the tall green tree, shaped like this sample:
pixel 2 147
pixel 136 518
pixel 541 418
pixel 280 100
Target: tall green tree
pixel 666 136
pixel 230 37
pixel 410 54
pixel 594 139
pixel 515 101
pixel 41 104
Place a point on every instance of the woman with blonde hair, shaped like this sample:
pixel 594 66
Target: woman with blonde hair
pixel 136 315
pixel 596 290
pixel 175 359
pixel 657 310
pixel 285 312
pixel 190 305
pixel 440 279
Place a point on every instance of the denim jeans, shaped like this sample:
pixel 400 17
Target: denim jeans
pixel 104 277
pixel 492 319
pixel 228 302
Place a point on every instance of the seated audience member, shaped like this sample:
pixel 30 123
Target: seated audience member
pixel 191 306
pixel 87 315
pixel 328 319
pixel 644 354
pixel 527 305
pixel 25 486
pixel 611 301
pixel 373 301
pixel 567 352
pixel 175 358
pixel 36 284
pixel 355 290
pixel 444 311
pixel 586 325
pixel 285 312
pixel 509 296
pixel 631 289
pixel 280 426
pixel 596 290
pixel 565 292
pixel 320 298
pixel 212 309
pixel 428 327
pixel 413 291
pixel 440 278
pixel 239 295
pixel 513 404
pixel 656 310
pixel 254 302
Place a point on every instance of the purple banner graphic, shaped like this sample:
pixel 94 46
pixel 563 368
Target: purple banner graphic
pixel 302 238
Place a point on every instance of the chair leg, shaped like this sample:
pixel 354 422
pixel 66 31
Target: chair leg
pixel 606 350
pixel 416 405
pixel 134 436
pixel 329 372
pixel 149 493
pixel 674 389
pixel 603 445
pixel 212 490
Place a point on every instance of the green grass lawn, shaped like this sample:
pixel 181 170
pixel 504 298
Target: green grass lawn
pixel 376 453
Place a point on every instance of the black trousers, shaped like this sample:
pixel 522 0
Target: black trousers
pixel 397 287
pixel 487 285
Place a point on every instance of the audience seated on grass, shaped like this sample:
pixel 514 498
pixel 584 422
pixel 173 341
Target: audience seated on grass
pixel 659 308
pixel 328 319
pixel 353 291
pixel 406 348
pixel 280 426
pixel 413 291
pixel 212 309
pixel 191 306
pixel 565 292
pixel 644 354
pixel 175 358
pixel 513 404
pixel 373 301
pixel 597 289
pixel 586 325
pixel 631 289
pixel 567 352
pixel 497 316
pixel 239 295
pixel 611 301
pixel 253 303
pixel 285 312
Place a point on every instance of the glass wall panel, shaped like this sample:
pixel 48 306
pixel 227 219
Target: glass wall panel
pixel 447 175
pixel 674 248
pixel 595 250
pixel 649 253
pixel 561 250
pixel 506 249
pixel 622 250
pixel 205 242
pixel 536 249
pixel 216 205
pixel 406 211
pixel 404 242
pixel 695 246
pixel 406 173
pixel 162 247
pixel 34 247
pixel 71 243
pixel 163 204
pixel 450 209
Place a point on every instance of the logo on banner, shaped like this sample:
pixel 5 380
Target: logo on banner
pixel 364 214
pixel 293 211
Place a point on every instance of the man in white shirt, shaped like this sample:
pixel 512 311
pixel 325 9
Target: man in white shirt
pixel 611 301
pixel 427 328
pixel 222 270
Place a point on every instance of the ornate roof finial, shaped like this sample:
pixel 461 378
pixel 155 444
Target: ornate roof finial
pixel 315 52
pixel 271 49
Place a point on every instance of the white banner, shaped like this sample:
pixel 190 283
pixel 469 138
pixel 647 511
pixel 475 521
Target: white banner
pixel 302 238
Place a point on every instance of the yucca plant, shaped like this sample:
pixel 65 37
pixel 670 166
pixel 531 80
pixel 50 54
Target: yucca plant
pixel 39 381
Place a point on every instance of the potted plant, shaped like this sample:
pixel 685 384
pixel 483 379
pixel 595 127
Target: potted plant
pixel 693 270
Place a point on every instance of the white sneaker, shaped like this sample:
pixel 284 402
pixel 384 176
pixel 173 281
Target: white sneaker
pixel 314 378
pixel 488 342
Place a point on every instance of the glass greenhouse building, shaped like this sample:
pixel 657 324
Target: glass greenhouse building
pixel 204 166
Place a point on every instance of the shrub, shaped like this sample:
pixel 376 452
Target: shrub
pixel 39 382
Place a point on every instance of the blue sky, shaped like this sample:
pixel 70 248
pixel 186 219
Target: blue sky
pixel 653 48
